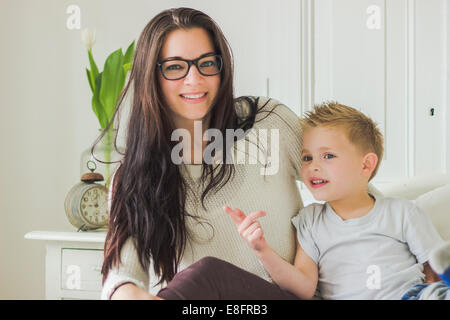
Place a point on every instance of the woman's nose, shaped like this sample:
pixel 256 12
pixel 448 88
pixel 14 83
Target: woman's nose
pixel 193 77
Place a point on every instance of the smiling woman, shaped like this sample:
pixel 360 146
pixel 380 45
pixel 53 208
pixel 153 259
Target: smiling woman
pixel 191 96
pixel 148 185
pixel 165 216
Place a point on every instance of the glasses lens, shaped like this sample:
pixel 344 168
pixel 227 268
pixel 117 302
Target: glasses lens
pixel 211 65
pixel 174 69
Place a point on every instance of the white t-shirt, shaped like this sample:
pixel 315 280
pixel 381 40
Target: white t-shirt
pixel 377 256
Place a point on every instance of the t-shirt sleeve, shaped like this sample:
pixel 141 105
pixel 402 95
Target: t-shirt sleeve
pixel 420 233
pixel 303 222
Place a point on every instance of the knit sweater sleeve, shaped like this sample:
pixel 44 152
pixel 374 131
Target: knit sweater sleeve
pixel 129 270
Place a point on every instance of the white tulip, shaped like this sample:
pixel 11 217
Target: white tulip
pixel 88 37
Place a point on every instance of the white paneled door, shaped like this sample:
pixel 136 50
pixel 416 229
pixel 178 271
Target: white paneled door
pixel 389 60
pixel 265 37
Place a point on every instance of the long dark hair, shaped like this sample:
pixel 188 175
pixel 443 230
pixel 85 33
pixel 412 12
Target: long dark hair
pixel 148 191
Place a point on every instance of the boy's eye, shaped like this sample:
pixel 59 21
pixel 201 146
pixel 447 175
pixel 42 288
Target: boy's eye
pixel 328 156
pixel 307 158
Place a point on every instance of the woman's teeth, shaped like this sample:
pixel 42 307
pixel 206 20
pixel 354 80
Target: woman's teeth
pixel 318 181
pixel 193 96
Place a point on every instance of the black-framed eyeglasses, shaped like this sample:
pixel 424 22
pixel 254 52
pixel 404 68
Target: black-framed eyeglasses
pixel 175 69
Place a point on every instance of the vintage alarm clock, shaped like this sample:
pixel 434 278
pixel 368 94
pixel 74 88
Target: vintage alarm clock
pixel 86 203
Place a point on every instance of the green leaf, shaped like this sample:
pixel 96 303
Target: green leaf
pixel 91 80
pixel 129 54
pixel 98 110
pixel 127 67
pixel 97 106
pixel 93 65
pixel 112 82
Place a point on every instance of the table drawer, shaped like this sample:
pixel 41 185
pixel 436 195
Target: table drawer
pixel 81 269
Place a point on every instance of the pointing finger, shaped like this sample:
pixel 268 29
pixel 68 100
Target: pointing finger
pixel 236 215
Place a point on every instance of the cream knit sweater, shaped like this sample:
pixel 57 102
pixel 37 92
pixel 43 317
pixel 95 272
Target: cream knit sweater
pixel 249 191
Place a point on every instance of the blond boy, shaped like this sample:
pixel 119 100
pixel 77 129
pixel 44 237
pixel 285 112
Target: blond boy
pixel 355 245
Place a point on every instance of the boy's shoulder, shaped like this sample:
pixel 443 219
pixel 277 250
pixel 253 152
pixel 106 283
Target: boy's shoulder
pixel 397 204
pixel 385 204
pixel 314 207
pixel 400 209
pixel 310 213
pixel 384 201
pixel 396 208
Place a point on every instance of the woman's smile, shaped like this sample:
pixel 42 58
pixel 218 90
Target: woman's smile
pixel 189 98
pixel 195 97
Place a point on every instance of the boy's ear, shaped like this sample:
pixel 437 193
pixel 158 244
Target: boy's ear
pixel 370 161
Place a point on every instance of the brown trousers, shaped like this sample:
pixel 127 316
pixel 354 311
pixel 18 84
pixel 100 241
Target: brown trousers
pixel 214 279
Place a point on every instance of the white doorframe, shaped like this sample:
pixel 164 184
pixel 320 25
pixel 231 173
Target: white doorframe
pixel 446 118
pixel 307 56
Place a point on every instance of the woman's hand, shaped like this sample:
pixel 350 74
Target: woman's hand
pixel 249 228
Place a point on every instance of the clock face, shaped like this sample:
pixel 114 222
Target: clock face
pixel 94 206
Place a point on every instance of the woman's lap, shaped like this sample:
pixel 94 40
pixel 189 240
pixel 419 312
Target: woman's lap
pixel 214 279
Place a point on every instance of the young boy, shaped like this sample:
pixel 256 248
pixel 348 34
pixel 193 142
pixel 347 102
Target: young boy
pixel 354 246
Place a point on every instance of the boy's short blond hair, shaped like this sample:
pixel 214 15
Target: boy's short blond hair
pixel 360 129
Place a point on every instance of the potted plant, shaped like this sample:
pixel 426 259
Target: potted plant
pixel 106 87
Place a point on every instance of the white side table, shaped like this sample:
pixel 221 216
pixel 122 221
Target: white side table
pixel 73 263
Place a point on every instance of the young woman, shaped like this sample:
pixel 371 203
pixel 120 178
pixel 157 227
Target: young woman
pixel 165 216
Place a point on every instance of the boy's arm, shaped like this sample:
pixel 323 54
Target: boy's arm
pixel 300 278
pixel 422 237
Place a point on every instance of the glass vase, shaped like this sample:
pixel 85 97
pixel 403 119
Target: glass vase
pixel 105 157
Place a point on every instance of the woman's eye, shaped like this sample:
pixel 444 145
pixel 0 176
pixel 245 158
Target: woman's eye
pixel 328 156
pixel 208 64
pixel 173 67
pixel 307 158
